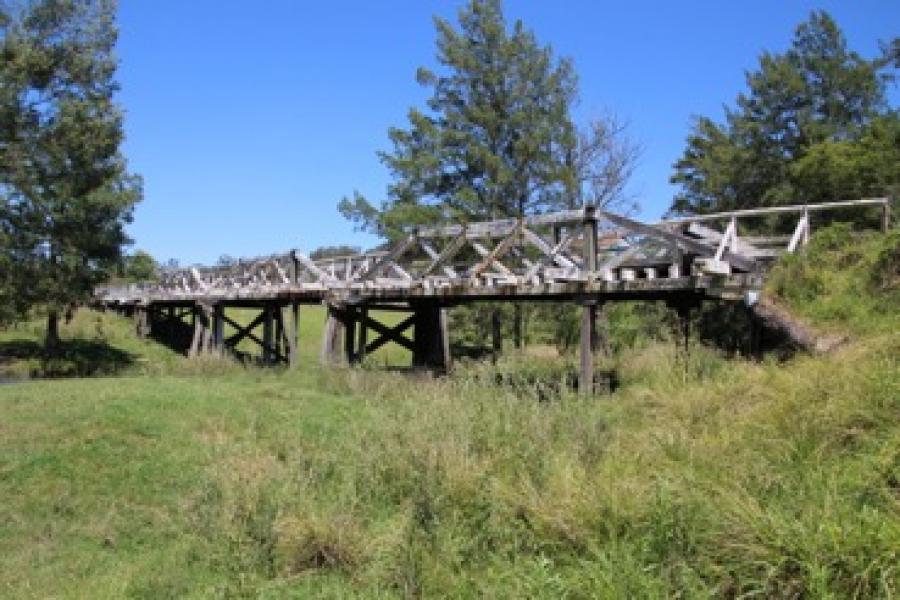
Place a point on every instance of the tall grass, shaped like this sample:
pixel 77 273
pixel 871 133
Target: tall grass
pixel 728 478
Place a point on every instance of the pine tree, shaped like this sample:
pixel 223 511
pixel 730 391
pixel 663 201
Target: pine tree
pixel 817 94
pixel 494 138
pixel 66 192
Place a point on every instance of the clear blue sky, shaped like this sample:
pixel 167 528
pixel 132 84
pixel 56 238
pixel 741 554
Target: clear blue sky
pixel 249 121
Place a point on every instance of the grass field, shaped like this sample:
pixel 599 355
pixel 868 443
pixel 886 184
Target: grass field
pixel 97 343
pixel 733 478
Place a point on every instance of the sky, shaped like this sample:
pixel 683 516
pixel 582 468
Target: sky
pixel 249 121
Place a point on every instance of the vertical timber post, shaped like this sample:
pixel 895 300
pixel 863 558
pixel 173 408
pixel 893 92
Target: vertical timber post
pixel 363 334
pixel 350 334
pixel 683 308
pixel 589 308
pixel 201 330
pixel 431 346
pixel 218 328
pixel 142 320
pixel 268 334
pixel 278 322
pixel 294 335
pixel 332 352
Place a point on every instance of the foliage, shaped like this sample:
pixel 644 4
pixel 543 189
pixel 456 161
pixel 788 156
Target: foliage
pixel 334 251
pixel 814 126
pixel 139 266
pixel 843 279
pixel 494 138
pixel 66 193
pixel 497 138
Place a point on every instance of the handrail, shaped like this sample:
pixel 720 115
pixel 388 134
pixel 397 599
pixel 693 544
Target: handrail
pixel 793 208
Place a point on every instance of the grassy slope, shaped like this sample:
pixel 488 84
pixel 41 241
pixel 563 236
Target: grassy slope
pixel 774 479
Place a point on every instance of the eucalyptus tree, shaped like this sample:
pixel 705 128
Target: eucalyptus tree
pixel 66 190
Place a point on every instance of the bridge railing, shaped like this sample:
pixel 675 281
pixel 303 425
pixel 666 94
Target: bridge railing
pixel 583 245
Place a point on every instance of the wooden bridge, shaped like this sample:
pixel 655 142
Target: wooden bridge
pixel 587 256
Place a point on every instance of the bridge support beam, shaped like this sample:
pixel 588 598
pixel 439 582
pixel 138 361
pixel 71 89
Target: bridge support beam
pixel 431 342
pixel 587 345
pixel 293 336
pixel 589 309
pixel 345 339
pixel 333 352
pixel 218 328
pixel 204 326
pixel 142 320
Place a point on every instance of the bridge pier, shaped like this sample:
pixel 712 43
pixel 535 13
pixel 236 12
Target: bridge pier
pixel 218 328
pixel 431 340
pixel 586 348
pixel 142 322
pixel 588 309
pixel 202 339
pixel 345 339
pixel 333 338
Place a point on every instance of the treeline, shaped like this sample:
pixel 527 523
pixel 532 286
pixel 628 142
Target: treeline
pixel 814 125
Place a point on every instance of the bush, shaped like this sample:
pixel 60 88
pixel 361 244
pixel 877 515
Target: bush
pixel 885 271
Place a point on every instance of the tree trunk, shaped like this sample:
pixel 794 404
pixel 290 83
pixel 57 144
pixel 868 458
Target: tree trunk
pixel 51 341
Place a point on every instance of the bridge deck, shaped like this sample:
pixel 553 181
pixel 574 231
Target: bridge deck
pixel 724 287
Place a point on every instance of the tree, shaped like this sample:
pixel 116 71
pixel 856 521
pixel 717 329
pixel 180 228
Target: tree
pixel 494 138
pixel 803 108
pixel 66 192
pixel 334 252
pixel 140 266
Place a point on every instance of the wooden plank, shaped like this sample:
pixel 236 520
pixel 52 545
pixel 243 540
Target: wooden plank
pixel 313 268
pixel 243 331
pixel 391 257
pixel 554 253
pixel 774 210
pixel 492 258
pixel 452 248
pixel 390 334
pixel 588 333
pixel 682 241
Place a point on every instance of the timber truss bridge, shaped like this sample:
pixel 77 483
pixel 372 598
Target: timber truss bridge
pixel 587 256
